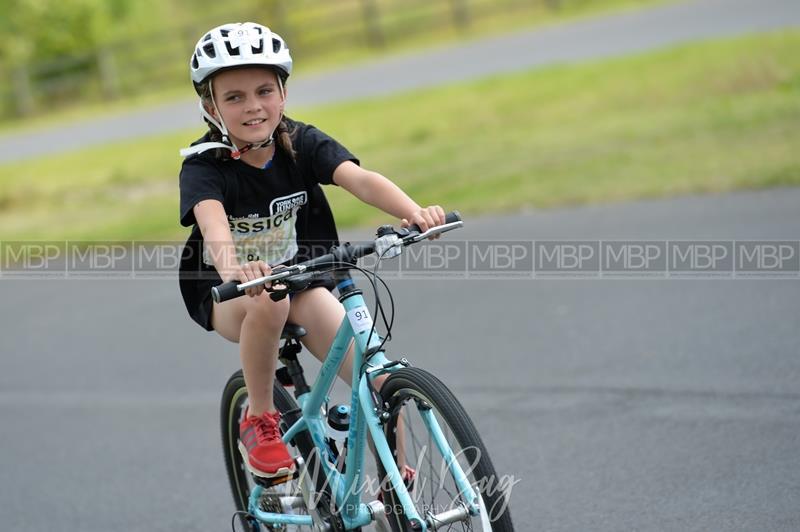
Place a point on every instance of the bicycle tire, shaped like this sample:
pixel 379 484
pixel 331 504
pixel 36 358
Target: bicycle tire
pixel 232 407
pixel 424 390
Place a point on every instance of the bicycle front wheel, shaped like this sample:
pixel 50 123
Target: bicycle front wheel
pixel 412 393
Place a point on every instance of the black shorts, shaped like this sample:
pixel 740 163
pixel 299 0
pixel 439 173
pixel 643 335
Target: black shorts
pixel 201 314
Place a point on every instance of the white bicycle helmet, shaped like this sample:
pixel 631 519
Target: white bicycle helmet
pixel 239 44
pixel 230 46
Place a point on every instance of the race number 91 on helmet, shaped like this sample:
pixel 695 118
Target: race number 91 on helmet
pixel 237 45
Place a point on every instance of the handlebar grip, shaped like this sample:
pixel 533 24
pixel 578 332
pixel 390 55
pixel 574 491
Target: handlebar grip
pixel 226 291
pixel 449 218
pixel 452 217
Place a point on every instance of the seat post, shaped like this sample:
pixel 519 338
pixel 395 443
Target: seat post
pixel 292 372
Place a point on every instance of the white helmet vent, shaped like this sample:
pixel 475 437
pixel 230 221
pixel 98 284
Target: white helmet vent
pixel 240 44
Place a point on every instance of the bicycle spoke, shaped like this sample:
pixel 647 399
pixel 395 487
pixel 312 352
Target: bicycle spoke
pixel 412 386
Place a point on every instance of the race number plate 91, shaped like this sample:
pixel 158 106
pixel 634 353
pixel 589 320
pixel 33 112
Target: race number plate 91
pixel 360 319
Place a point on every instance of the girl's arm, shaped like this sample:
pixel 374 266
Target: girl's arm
pixel 213 223
pixel 376 190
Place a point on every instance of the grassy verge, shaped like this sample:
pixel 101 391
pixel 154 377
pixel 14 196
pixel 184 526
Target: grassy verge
pixel 347 51
pixel 704 117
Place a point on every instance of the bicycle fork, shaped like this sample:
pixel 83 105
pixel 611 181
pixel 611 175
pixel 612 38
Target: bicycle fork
pixel 431 522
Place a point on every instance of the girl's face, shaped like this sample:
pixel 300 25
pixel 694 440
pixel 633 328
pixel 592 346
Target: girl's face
pixel 250 102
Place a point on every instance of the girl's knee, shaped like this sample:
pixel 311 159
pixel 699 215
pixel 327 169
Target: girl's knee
pixel 379 380
pixel 268 313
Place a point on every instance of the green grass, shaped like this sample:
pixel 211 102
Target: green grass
pixel 699 118
pixel 402 37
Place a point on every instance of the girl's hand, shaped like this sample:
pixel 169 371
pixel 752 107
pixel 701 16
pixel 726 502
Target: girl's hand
pixel 248 272
pixel 425 219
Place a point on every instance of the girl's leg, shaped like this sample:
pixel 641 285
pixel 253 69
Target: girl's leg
pixel 320 314
pixel 256 324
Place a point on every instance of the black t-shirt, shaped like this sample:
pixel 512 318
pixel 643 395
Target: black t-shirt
pixel 278 214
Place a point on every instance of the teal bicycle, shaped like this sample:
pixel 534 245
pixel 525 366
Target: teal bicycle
pixel 431 471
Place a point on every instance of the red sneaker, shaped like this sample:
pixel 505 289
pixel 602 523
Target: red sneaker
pixel 264 453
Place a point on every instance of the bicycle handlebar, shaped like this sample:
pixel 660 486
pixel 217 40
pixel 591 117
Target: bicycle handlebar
pixel 339 256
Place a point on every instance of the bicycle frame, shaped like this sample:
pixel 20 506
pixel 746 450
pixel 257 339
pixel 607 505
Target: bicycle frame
pixel 345 488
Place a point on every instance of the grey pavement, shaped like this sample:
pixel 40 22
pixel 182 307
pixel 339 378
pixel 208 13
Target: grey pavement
pixel 648 404
pixel 609 35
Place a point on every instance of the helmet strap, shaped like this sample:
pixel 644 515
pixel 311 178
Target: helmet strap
pixel 221 123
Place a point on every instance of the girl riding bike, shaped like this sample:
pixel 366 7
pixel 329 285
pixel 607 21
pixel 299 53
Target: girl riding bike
pixel 250 187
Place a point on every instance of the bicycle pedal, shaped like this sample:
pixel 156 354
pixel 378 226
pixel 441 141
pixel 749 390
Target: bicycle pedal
pixel 273 481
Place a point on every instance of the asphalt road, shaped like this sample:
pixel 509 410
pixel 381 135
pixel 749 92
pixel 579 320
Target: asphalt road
pixel 614 34
pixel 647 404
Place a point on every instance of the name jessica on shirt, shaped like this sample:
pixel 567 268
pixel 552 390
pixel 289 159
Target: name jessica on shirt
pixel 246 225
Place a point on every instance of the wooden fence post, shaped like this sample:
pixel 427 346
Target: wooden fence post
pixel 109 78
pixel 372 23
pixel 23 91
pixel 460 14
pixel 553 5
pixel 279 22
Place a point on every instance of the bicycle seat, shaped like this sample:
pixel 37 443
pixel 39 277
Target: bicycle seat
pixel 290 330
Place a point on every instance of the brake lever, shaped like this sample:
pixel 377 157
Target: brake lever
pixel 296 283
pixel 438 230
pixel 282 273
pixel 278 295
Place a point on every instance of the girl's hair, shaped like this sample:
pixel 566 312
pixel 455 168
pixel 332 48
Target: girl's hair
pixel 283 133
